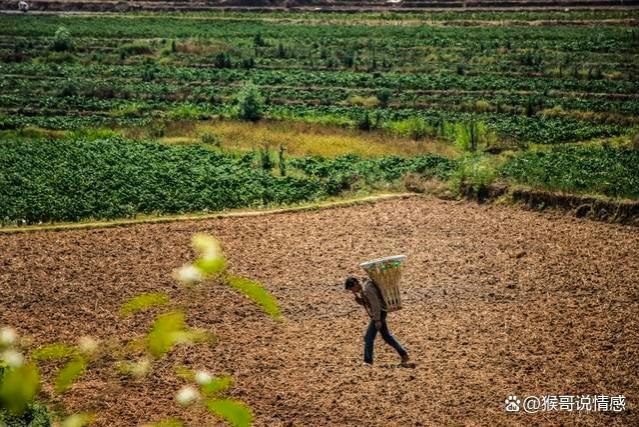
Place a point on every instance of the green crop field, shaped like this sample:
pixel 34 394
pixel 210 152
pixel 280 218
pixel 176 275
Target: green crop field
pixel 489 86
pixel 477 160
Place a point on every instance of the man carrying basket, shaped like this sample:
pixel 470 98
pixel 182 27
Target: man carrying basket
pixel 371 298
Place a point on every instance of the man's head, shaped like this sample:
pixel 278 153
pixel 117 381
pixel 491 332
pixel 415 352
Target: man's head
pixel 352 284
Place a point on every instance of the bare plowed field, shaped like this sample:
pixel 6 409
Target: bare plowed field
pixel 498 301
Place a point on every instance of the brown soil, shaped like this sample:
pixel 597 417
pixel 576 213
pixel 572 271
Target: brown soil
pixel 498 301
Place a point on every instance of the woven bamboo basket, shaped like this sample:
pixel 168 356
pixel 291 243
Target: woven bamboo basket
pixel 386 273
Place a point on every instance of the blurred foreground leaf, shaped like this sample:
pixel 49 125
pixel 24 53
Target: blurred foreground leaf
pixel 236 413
pixel 77 420
pixel 55 351
pixel 217 385
pixel 143 302
pixel 169 422
pixel 69 374
pixel 210 266
pixel 257 294
pixel 19 387
pixel 170 329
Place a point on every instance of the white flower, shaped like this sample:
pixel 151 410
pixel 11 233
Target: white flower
pixel 87 345
pixel 203 377
pixel 12 358
pixel 188 274
pixel 140 368
pixel 8 336
pixel 186 395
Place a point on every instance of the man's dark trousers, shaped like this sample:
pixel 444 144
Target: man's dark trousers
pixel 371 333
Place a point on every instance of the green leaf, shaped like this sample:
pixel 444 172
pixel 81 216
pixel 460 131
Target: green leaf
pixel 257 294
pixel 170 329
pixel 217 385
pixel 167 330
pixel 77 420
pixel 236 413
pixel 19 386
pixel 144 302
pixel 210 266
pixel 169 422
pixel 69 374
pixel 55 351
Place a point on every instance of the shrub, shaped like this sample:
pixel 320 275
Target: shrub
pixel 384 96
pixel 62 40
pixel 135 48
pixel 249 103
pixel 364 122
pixel 188 112
pixel 211 139
pixel 266 162
pixel 473 176
pixel 635 142
pixel 468 135
pixel 483 106
pixel 282 161
pixel 370 101
pixel 415 128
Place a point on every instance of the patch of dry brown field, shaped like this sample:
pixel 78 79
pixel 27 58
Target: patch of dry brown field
pixel 497 301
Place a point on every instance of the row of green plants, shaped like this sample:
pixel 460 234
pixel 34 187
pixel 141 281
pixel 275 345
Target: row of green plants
pixel 313 78
pixel 576 38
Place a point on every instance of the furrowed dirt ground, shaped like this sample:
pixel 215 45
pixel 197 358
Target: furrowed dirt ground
pixel 498 301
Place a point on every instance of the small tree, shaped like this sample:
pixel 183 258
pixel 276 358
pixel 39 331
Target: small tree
pixel 384 96
pixel 364 122
pixel 62 40
pixel 282 160
pixel 249 103
pixel 258 40
pixel 265 158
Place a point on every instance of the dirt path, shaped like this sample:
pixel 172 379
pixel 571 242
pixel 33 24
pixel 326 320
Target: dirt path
pixel 498 301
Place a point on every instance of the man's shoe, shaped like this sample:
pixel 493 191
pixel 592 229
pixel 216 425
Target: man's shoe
pixel 367 365
pixel 405 359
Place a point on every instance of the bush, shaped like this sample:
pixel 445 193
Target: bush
pixel 36 415
pixel 384 97
pixel 415 128
pixel 635 142
pixel 135 48
pixel 62 40
pixel 187 112
pixel 250 103
pixel 211 139
pixel 364 101
pixel 473 176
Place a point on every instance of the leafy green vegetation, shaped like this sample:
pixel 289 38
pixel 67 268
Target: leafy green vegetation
pixel 609 171
pixel 65 180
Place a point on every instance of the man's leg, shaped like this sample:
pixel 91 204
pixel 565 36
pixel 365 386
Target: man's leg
pixel 390 339
pixel 369 342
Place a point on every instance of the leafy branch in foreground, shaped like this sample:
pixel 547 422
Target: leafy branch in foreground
pixel 20 379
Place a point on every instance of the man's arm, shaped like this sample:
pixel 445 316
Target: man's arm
pixel 375 303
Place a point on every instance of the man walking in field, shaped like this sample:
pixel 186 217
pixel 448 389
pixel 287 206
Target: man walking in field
pixel 370 297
